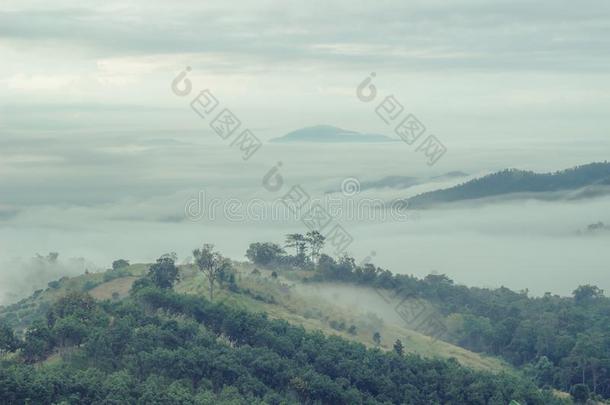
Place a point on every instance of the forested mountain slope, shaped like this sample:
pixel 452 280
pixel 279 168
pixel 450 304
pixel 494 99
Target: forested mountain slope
pixel 161 347
pixel 258 291
pixel 158 346
pixel 511 181
pixel 563 342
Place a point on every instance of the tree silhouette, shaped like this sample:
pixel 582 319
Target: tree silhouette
pixel 377 338
pixel 297 241
pixel 316 242
pixel 398 347
pixel 164 273
pixel 211 263
pixel 587 293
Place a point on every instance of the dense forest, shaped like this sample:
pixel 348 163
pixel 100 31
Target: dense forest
pixel 518 181
pixel 160 347
pixel 563 342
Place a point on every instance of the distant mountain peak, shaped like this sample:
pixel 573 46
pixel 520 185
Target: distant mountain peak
pixel 329 133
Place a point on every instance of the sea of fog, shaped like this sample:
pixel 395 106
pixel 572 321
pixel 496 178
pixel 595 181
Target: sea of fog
pixel 98 197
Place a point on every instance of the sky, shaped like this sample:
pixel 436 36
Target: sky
pixel 98 155
pixel 473 68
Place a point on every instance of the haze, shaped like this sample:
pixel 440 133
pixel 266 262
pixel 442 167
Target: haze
pixel 98 157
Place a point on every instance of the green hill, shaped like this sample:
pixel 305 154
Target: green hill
pixel 259 294
pixel 259 342
pixel 592 179
pixel 159 346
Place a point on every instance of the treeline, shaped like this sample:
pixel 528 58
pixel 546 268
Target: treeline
pixel 518 181
pixel 160 347
pixel 563 342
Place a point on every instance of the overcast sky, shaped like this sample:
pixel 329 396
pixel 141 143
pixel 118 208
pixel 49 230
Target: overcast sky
pixel 467 67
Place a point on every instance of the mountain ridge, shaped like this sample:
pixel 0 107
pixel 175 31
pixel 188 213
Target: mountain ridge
pixel 586 178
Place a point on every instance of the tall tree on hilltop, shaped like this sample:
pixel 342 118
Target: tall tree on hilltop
pixel 211 263
pixel 297 241
pixel 164 273
pixel 316 242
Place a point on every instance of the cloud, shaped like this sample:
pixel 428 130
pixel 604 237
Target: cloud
pixel 466 34
pixel 31 83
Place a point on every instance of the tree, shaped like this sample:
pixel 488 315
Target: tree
pixel 438 279
pixel 119 264
pixel 38 343
pixel 398 347
pixel 377 338
pixel 580 393
pixel 70 331
pixel 298 242
pixel 164 273
pixel 120 387
pixel 226 275
pixel 543 371
pixel 142 283
pixel 211 263
pixel 51 258
pixel 265 254
pixel 75 304
pixel 586 354
pixel 587 293
pixel 316 242
pixel 8 341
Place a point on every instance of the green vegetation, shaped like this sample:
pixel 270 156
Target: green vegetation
pixel 164 273
pixel 120 264
pixel 159 347
pixel 22 314
pixel 554 341
pixel 518 181
pixel 558 341
pixel 259 292
pixel 212 265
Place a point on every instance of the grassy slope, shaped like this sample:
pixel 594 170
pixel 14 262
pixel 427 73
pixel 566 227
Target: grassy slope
pixel 22 313
pixel 276 298
pixel 120 286
pixel 261 294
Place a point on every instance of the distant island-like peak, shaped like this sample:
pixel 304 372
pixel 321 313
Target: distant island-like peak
pixel 329 133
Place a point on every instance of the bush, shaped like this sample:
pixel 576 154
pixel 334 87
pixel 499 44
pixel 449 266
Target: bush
pixel 114 274
pixel 119 264
pixel 265 254
pixel 90 285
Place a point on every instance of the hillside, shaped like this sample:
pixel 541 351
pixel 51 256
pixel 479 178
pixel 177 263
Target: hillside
pixel 159 346
pixel 277 297
pixel 579 182
pixel 553 341
pixel 556 341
